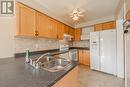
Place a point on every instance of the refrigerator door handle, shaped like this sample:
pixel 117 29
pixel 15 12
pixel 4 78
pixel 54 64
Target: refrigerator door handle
pixel 126 26
pixel 126 23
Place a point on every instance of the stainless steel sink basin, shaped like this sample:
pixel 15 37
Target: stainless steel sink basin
pixel 46 59
pixel 55 65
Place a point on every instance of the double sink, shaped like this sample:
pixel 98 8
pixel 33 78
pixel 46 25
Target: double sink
pixel 51 63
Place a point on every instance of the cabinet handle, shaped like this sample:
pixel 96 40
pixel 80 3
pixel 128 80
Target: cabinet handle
pixel 36 33
pixel 57 36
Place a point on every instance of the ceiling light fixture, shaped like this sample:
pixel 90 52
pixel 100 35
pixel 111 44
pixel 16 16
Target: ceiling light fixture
pixel 76 14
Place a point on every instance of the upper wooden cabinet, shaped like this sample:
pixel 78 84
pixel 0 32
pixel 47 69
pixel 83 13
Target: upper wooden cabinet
pixel 128 15
pixel 109 25
pixel 98 27
pixel 66 29
pixel 26 24
pixel 42 25
pixel 105 26
pixel 46 26
pixel 60 30
pixel 77 34
pixel 52 28
pixel 34 23
pixel 71 31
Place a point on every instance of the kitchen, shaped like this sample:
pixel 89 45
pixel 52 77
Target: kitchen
pixel 77 47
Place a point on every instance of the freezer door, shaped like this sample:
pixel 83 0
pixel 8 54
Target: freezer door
pixel 94 51
pixel 127 45
pixel 127 58
pixel 108 51
pixel 127 54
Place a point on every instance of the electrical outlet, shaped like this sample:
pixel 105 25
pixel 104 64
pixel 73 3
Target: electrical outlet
pixel 36 46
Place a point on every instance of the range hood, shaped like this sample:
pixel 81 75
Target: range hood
pixel 67 37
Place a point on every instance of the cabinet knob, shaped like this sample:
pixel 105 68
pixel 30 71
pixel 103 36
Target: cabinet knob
pixel 36 33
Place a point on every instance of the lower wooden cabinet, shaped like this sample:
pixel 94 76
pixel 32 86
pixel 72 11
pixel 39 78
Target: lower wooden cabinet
pixel 69 80
pixel 84 57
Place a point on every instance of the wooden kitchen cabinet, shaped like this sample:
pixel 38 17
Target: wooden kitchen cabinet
pixel 52 28
pixel 60 30
pixel 84 57
pixel 128 15
pixel 42 25
pixel 80 56
pixel 109 25
pixel 71 31
pixel 26 24
pixel 69 80
pixel 31 22
pixel 98 27
pixel 66 29
pixel 105 26
pixel 77 34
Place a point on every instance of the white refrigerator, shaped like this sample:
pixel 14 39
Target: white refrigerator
pixel 103 51
pixel 127 54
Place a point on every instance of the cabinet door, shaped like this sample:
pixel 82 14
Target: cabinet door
pixel 77 34
pixel 60 30
pixel 71 31
pixel 86 57
pixel 66 29
pixel 42 25
pixel 80 56
pixel 25 20
pixel 128 15
pixel 98 27
pixel 54 29
pixel 51 28
pixel 109 25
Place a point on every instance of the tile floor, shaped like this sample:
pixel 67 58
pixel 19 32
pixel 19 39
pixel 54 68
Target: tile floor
pixel 90 78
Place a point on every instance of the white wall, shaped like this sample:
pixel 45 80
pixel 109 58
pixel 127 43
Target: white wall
pixel 7 28
pixel 120 44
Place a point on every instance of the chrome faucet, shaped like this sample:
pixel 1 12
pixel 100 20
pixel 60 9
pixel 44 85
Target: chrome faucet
pixel 46 54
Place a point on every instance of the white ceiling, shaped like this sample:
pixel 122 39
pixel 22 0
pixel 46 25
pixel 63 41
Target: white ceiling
pixel 94 9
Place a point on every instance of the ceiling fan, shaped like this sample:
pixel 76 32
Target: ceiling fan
pixel 76 14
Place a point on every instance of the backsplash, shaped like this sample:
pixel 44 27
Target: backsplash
pixel 81 44
pixel 34 44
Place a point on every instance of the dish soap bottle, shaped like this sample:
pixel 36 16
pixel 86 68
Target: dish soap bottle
pixel 27 55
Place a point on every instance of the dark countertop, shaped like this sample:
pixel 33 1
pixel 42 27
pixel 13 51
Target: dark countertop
pixel 80 48
pixel 14 72
pixel 53 51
